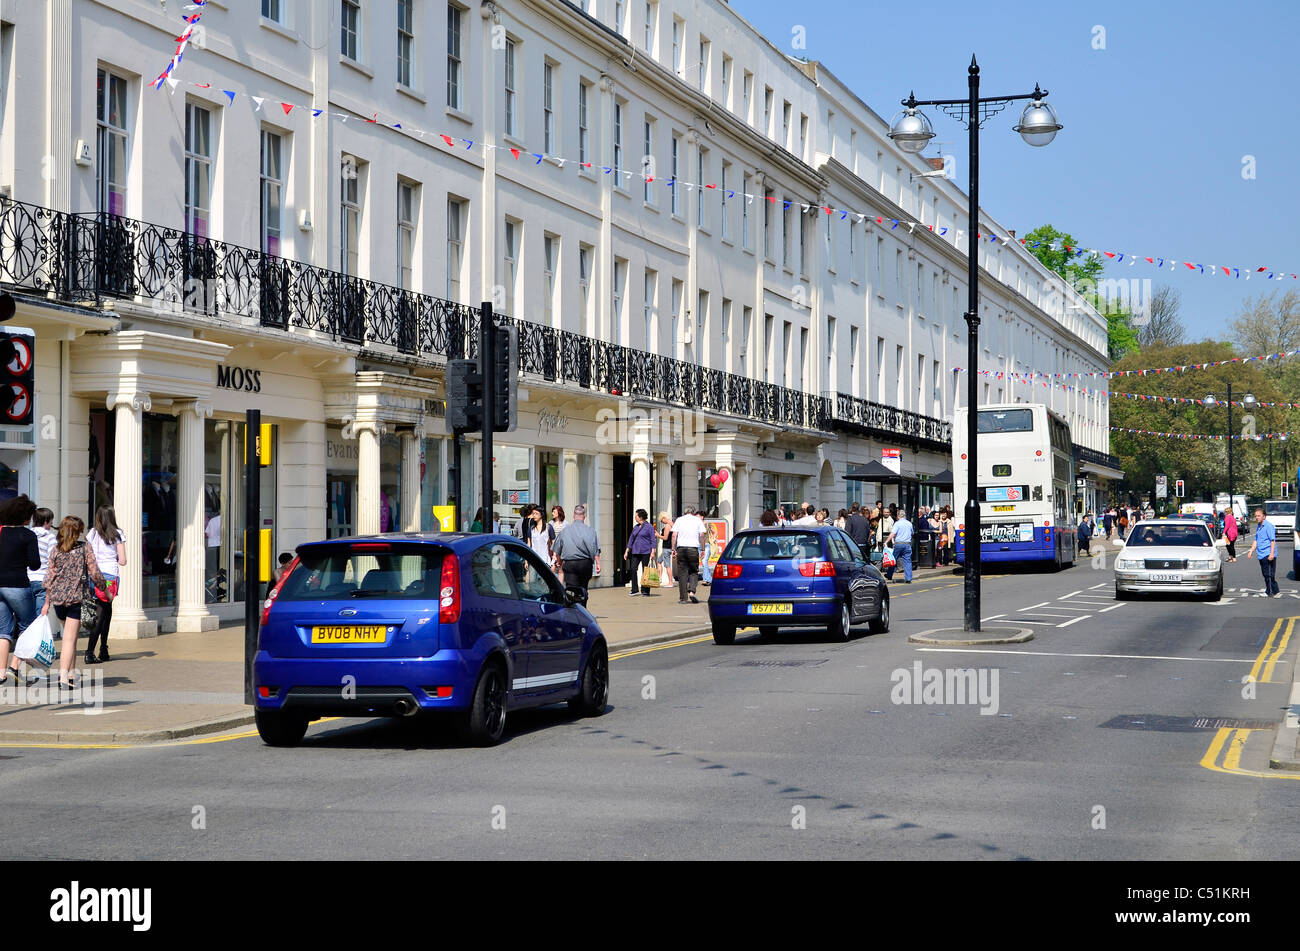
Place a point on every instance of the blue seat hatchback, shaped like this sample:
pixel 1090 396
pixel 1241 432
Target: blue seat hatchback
pixel 812 576
pixel 470 626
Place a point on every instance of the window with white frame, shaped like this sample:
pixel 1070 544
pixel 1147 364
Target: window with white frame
pixel 618 17
pixel 787 353
pixel 853 251
pixel 584 289
pixel 726 81
pixel 803 137
pixel 679 291
pixel 767 111
pixel 704 65
pixel 787 238
pixel 350 216
pixel 726 335
pixel 648 161
pixel 746 318
pixel 198 169
pixel 722 201
pixel 920 382
pixel 510 264
pixel 880 369
pixel 679 27
pixel 829 382
pixel 455 66
pixel 769 353
pixel 111 126
pixel 768 202
pixel 702 206
pixel 747 96
pixel 550 263
pixel 650 308
pixel 651 21
pixel 830 132
pixel 899 391
pixel 273 10
pixel 805 383
pixel 618 143
pixel 617 300
pixel 407 204
pixel 745 199
pixel 936 384
pixel 854 384
pixel 511 126
pixel 785 127
pixel 272 191
pixel 830 250
pixel 548 108
pixel 405 42
pixel 455 247
pixel 805 241
pixel 701 326
pixel 350 23
pixel 584 130
pixel 900 294
pixel 673 190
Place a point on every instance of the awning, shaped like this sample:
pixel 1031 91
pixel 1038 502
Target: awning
pixel 875 472
pixel 942 480
pixel 1105 472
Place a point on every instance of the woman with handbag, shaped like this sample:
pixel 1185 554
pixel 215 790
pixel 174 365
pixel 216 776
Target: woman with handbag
pixel 18 553
pixel 108 545
pixel 72 568
pixel 639 551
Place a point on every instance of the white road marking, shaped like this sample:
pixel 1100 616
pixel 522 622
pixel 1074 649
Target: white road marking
pixel 1070 595
pixel 1075 620
pixel 1111 608
pixel 1040 604
pixel 1096 586
pixel 992 617
pixel 1046 614
pixel 973 650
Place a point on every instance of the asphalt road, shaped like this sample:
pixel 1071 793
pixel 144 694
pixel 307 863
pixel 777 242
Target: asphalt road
pixel 790 747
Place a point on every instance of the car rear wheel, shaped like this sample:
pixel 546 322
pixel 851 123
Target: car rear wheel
pixel 840 628
pixel 767 630
pixel 590 701
pixel 881 624
pixel 279 729
pixel 724 633
pixel 485 721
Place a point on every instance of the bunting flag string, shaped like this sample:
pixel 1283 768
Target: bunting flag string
pixel 1155 371
pixel 182 41
pixel 894 224
pixel 1260 437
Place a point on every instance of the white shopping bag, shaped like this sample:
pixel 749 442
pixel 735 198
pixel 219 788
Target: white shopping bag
pixel 36 644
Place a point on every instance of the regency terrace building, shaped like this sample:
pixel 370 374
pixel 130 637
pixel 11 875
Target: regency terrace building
pixel 652 213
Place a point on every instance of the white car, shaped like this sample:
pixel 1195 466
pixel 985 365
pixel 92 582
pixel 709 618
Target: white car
pixel 1281 512
pixel 1169 556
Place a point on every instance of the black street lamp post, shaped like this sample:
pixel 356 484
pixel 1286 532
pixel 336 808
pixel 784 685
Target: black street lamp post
pixel 1248 401
pixel 911 131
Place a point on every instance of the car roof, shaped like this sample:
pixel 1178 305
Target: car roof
pixel 787 528
pixel 457 541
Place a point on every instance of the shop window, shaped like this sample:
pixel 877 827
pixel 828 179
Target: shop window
pixel 390 483
pixel 511 484
pixel 223 509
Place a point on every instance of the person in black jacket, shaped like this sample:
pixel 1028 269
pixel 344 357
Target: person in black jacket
pixel 18 552
pixel 858 528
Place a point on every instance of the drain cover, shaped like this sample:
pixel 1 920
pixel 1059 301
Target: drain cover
pixel 772 664
pixel 1164 724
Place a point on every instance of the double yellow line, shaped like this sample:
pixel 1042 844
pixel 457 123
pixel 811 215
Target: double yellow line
pixel 1233 739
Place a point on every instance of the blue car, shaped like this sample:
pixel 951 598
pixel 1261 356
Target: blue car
pixel 471 626
pixel 793 576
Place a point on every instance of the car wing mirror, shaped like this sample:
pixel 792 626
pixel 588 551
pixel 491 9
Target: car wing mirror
pixel 575 595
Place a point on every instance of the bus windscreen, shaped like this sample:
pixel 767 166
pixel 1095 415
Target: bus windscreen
pixel 1005 421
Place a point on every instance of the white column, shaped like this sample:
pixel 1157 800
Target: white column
pixel 740 475
pixel 642 459
pixel 192 613
pixel 664 487
pixel 59 171
pixel 569 482
pixel 368 433
pixel 129 620
pixel 727 491
pixel 412 495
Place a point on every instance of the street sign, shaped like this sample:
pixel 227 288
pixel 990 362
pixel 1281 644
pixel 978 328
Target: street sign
pixel 1162 487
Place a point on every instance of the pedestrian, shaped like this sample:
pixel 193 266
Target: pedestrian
pixel 806 517
pixel 108 545
pixel 901 538
pixel 1230 533
pixel 578 550
pixel 1123 525
pixel 885 525
pixel 72 567
pixel 943 544
pixel 476 526
pixel 19 553
pixel 539 536
pixel 282 567
pixel 688 533
pixel 1085 534
pixel 524 527
pixel 819 516
pixel 1108 519
pixel 768 519
pixel 640 549
pixel 842 519
pixel 1266 544
pixel 858 527
pixel 45 542
pixel 665 535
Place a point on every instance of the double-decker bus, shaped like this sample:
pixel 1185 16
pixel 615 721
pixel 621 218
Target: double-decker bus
pixel 1026 484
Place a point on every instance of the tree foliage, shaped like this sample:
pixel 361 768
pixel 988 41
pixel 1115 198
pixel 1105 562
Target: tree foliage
pixel 1159 326
pixel 1202 464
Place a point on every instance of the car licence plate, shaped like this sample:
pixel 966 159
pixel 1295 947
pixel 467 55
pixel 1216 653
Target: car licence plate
pixel 1166 578
pixel 771 608
pixel 348 634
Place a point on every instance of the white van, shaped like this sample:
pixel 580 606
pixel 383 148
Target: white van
pixel 1281 512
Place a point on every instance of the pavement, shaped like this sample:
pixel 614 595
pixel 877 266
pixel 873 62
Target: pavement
pixel 179 685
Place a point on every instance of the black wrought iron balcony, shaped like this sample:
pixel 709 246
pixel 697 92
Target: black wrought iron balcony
pixel 87 258
pixel 892 423
pixel 1096 457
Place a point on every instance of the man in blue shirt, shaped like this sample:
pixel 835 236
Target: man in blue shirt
pixel 1266 543
pixel 901 539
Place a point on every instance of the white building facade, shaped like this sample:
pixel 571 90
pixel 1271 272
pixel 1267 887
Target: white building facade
pixel 246 238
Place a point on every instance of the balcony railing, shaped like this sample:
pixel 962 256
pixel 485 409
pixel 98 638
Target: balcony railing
pixel 88 258
pixel 890 422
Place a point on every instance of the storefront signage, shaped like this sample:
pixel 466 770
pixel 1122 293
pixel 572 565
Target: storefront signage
pixel 892 459
pixel 239 378
pixel 718 530
pixel 549 422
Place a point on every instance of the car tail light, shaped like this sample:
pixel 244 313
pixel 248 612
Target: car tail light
pixel 721 570
pixel 449 590
pixel 266 693
pixel 1047 523
pixel 270 598
pixel 371 546
pixel 817 569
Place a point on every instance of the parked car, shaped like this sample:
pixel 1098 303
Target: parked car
pixel 469 625
pixel 1281 512
pixel 1169 555
pixel 787 577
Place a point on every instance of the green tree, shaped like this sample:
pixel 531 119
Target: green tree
pixel 1202 464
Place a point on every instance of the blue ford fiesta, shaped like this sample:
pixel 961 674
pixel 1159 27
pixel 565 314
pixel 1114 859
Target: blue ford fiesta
pixel 472 626
pixel 786 577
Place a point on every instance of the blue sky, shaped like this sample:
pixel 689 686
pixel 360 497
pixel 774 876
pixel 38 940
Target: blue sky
pixel 1157 124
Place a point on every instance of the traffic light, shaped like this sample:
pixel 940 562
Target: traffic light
pixel 1286 489
pixel 464 396
pixel 17 379
pixel 1179 484
pixel 505 380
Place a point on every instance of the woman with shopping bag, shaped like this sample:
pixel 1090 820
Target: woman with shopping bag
pixel 18 554
pixel 72 567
